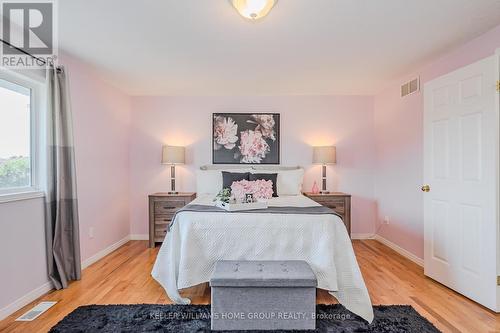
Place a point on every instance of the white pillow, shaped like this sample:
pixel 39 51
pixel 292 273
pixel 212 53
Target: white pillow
pixel 210 181
pixel 289 181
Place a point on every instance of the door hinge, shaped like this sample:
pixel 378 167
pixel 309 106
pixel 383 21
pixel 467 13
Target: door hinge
pixel 498 280
pixel 498 86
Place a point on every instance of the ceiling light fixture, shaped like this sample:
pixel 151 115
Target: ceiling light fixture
pixel 253 9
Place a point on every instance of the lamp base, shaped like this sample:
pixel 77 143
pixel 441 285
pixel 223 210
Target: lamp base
pixel 173 192
pixel 324 192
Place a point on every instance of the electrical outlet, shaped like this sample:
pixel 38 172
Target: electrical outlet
pixel 386 220
pixel 91 232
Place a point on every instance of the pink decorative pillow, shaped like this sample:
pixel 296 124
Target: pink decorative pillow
pixel 261 189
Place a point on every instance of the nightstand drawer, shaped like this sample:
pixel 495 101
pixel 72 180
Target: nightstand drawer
pixel 338 202
pixel 163 219
pixel 168 207
pixel 159 239
pixel 337 209
pixel 336 205
pixel 161 229
pixel 162 208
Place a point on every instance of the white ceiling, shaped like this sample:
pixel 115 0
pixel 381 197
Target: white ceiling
pixel 203 47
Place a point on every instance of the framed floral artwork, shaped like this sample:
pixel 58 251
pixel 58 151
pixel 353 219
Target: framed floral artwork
pixel 246 138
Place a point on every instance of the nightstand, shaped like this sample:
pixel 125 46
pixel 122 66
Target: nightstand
pixel 162 207
pixel 339 202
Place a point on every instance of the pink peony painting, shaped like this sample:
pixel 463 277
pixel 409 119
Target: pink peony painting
pixel 246 138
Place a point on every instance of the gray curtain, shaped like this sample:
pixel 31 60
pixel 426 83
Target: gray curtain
pixel 61 210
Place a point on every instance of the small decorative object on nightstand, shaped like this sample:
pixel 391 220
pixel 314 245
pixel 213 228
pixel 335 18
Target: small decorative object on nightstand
pixel 315 188
pixel 162 207
pixel 324 155
pixel 172 155
pixel 339 202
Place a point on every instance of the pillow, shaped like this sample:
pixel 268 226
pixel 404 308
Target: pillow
pixel 229 177
pixel 266 176
pixel 261 189
pixel 208 181
pixel 289 181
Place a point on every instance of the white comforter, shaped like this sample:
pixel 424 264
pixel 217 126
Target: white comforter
pixel 197 240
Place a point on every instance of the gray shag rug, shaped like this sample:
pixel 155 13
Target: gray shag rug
pixel 196 318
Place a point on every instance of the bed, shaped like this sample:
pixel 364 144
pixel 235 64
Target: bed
pixel 197 239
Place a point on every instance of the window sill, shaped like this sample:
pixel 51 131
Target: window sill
pixel 28 195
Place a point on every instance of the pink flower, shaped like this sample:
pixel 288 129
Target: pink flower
pixel 253 147
pixel 225 133
pixel 265 125
pixel 261 189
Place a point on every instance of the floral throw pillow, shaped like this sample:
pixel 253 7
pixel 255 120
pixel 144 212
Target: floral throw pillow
pixel 261 189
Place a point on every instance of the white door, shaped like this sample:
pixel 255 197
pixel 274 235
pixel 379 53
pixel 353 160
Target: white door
pixel 460 166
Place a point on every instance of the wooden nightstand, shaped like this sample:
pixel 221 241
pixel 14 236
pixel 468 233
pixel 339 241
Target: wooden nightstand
pixel 162 207
pixel 339 202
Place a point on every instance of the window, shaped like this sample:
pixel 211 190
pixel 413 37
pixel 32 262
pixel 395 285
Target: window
pixel 18 134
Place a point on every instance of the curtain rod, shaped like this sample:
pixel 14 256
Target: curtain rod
pixel 24 52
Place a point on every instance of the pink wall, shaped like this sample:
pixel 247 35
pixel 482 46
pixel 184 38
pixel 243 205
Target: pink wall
pixel 399 144
pixel 346 121
pixel 101 116
pixel 24 268
pixel 101 127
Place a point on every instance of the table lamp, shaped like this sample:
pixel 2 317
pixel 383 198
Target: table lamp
pixel 173 155
pixel 324 155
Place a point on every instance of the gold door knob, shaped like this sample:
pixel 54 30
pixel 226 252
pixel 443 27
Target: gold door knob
pixel 426 188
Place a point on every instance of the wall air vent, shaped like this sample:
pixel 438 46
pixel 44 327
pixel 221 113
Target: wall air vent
pixel 410 87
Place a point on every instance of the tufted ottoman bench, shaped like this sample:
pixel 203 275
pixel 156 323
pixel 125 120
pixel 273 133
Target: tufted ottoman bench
pixel 263 295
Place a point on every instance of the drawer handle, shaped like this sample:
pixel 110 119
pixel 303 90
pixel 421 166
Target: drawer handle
pixel 168 207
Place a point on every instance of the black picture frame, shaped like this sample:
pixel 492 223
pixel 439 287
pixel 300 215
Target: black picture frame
pixel 246 122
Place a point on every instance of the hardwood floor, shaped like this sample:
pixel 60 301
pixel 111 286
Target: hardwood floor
pixel 124 277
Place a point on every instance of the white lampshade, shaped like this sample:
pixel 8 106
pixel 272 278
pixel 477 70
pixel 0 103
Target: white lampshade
pixel 325 155
pixel 173 155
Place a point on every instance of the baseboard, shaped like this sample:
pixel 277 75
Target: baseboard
pixel 139 237
pixel 362 236
pixel 46 287
pixel 400 250
pixel 101 254
pixel 26 299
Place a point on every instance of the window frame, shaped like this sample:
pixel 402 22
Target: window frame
pixel 36 106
